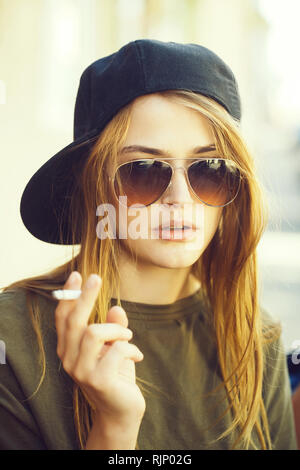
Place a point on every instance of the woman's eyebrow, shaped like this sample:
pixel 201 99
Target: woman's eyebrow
pixel 159 152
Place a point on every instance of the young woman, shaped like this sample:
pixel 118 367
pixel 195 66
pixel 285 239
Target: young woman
pixel 167 346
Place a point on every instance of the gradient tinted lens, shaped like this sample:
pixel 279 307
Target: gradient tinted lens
pixel 142 181
pixel 216 182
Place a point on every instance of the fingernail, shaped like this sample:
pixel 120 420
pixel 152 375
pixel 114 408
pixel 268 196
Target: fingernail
pixel 92 281
pixel 73 277
pixel 128 333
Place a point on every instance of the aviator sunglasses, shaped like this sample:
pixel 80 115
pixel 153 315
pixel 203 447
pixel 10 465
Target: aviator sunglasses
pixel 214 181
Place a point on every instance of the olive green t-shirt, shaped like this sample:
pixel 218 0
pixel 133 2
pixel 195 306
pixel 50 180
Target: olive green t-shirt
pixel 180 358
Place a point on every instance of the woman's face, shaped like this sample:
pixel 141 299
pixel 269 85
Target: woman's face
pixel 159 123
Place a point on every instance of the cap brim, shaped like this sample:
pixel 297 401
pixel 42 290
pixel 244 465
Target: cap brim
pixel 45 201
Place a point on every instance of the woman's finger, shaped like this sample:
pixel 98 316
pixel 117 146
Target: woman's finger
pixel 77 319
pixel 93 344
pixel 108 366
pixel 86 301
pixel 63 308
pixel 117 314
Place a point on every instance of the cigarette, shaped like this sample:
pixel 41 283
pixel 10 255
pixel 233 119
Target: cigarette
pixel 66 294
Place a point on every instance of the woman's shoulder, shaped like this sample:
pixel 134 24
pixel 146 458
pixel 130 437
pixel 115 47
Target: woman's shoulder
pixel 14 301
pixel 273 346
pixel 16 314
pixel 13 306
pixel 275 360
pixel 271 326
pixel 32 376
pixel 28 332
pixel 276 385
pixel 12 296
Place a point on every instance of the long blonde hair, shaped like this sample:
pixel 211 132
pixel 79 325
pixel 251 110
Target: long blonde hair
pixel 231 286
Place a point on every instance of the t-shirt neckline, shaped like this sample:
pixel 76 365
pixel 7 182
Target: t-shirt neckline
pixel 183 306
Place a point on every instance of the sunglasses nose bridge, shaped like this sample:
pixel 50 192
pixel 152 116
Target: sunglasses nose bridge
pixel 178 185
pixel 175 169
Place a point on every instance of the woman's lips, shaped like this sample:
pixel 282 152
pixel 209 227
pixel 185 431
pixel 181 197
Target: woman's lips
pixel 176 234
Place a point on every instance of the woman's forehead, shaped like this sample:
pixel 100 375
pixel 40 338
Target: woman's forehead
pixel 157 122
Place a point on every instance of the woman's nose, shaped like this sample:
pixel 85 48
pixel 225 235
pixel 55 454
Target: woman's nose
pixel 178 190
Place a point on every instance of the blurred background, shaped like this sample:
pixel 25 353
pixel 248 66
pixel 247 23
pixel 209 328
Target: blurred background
pixel 46 44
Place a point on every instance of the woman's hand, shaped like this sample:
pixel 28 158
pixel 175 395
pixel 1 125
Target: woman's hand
pixel 98 357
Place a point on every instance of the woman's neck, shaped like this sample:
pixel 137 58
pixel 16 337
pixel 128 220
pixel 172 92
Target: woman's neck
pixel 151 284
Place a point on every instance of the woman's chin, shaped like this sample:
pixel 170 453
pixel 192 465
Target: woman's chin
pixel 174 257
